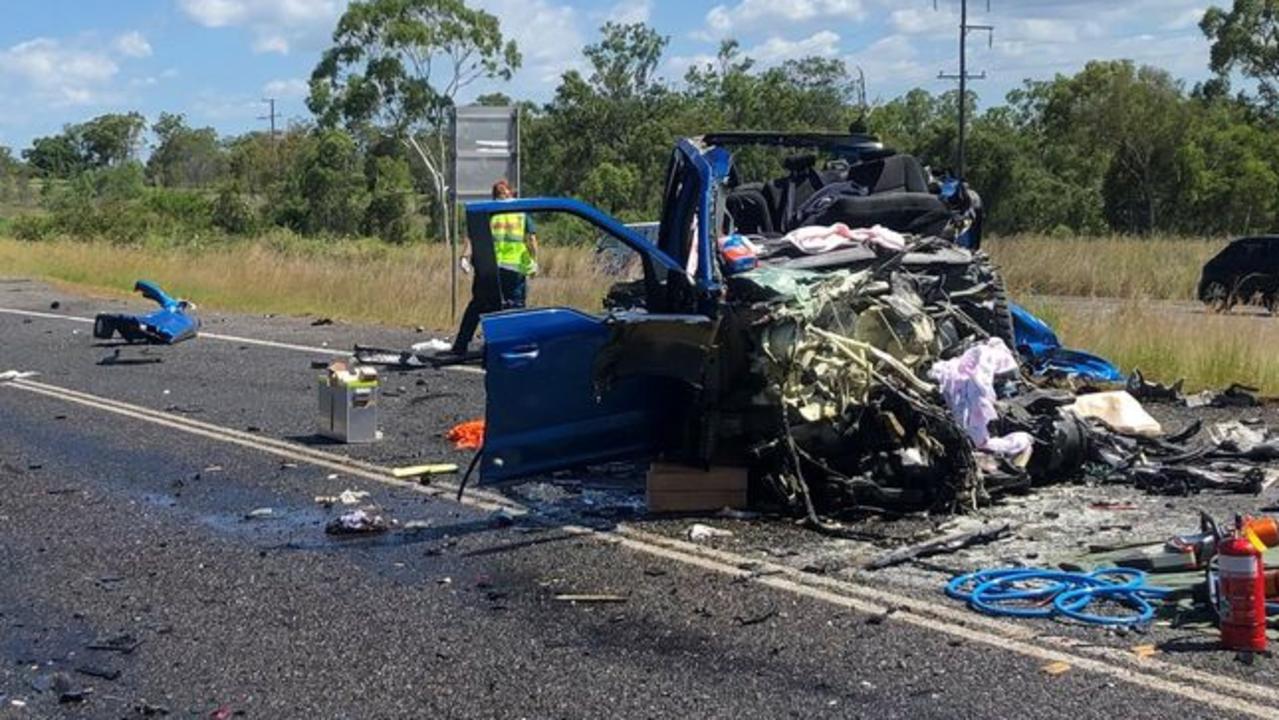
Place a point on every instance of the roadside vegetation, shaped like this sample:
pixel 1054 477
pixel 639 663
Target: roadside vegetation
pixel 370 281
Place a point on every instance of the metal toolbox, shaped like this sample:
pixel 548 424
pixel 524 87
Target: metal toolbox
pixel 348 409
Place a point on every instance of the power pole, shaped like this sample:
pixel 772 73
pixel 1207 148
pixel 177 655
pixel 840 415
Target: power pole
pixel 271 116
pixel 963 77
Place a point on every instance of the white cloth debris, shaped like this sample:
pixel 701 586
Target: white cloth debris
pixel 968 384
pixel 1119 410
pixel 701 533
pixel 1236 436
pixel 434 345
pixel 816 239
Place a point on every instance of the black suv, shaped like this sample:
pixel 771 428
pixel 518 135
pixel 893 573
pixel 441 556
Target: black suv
pixel 1246 272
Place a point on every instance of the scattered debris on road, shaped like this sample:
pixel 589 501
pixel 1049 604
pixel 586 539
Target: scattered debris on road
pixel 346 497
pixel 348 403
pixel 173 323
pixel 939 546
pixel 261 513
pixel 590 598
pixel 424 471
pixel 701 533
pixel 358 522
pixel 467 436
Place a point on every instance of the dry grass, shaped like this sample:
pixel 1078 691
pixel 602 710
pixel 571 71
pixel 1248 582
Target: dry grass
pixel 1170 341
pixel 374 283
pixel 356 281
pixel 1116 267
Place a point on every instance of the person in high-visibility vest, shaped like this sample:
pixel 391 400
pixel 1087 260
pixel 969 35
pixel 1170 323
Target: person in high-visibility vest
pixel 515 247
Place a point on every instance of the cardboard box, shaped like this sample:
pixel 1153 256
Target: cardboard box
pixel 680 488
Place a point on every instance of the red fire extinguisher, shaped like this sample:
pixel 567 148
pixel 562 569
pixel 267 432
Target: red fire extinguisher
pixel 1241 600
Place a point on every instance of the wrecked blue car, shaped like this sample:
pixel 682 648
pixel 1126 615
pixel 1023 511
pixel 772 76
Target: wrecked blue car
pixel 786 324
pixel 173 323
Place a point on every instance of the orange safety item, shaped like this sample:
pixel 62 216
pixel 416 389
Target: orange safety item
pixel 1265 529
pixel 468 435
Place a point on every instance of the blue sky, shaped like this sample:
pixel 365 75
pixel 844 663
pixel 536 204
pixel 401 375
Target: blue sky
pixel 214 60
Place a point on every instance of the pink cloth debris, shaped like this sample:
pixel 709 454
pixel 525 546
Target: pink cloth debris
pixel 968 384
pixel 816 239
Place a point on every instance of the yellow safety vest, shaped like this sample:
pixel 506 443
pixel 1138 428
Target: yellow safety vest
pixel 512 252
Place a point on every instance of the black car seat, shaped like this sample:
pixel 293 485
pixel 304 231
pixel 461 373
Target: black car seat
pixel 890 191
pixel 895 173
pixel 750 209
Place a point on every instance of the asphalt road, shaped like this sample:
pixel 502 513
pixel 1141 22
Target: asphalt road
pixel 126 527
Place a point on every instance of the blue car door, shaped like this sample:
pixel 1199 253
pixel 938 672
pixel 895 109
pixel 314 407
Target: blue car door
pixel 567 388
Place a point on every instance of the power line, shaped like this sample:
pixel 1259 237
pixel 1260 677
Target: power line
pixel 963 76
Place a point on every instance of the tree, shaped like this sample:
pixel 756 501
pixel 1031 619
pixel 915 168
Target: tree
pixel 184 156
pixel 55 156
pixel 325 191
pixel 624 60
pixel 112 139
pixel 1243 39
pixel 397 65
pixel 494 99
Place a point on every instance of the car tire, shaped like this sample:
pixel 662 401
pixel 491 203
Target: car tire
pixel 1217 297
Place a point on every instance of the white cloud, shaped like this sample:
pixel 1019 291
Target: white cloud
pixel 56 74
pixel 724 20
pixel 1187 19
pixel 823 43
pixel 891 66
pixel 133 44
pixel 289 88
pixel 546 33
pixel 917 21
pixel 276 25
pixel 629 11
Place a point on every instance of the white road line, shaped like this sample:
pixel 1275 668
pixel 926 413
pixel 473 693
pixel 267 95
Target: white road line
pixel 330 352
pixel 1021 639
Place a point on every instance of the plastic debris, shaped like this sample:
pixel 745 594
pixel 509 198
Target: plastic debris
pixel 701 533
pixel 424 470
pixel 173 323
pixel 434 345
pixel 357 522
pixel 1119 411
pixel 347 497
pixel 468 435
pixel 590 599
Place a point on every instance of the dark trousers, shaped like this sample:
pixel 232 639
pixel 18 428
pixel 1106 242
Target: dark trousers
pixel 514 295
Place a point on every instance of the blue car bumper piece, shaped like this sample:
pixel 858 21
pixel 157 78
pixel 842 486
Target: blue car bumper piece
pixel 169 325
pixel 1038 345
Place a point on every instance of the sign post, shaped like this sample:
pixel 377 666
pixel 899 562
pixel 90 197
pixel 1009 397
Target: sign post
pixel 486 147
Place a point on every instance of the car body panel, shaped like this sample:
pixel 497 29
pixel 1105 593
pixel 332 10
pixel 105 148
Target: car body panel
pixel 566 388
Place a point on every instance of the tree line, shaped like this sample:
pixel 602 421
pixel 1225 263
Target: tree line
pixel 1115 147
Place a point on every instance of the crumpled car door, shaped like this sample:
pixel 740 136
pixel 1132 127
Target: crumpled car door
pixel 566 389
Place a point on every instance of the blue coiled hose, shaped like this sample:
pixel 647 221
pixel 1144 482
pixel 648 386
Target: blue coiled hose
pixel 1061 593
